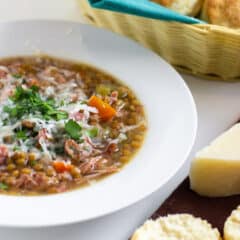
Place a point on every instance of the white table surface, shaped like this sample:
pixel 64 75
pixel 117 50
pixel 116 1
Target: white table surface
pixel 218 106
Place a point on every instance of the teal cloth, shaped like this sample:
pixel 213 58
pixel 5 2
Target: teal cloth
pixel 143 8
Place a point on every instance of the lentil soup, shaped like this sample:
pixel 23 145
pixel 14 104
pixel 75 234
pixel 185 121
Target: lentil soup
pixel 63 124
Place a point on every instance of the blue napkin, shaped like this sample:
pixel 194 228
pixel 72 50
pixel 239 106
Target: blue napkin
pixel 143 8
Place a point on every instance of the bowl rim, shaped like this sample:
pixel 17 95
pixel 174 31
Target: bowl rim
pixel 180 163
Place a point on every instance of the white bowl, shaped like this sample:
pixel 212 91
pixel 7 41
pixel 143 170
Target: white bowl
pixel 170 109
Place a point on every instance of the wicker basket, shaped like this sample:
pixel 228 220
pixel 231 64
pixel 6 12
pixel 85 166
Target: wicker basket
pixel 208 51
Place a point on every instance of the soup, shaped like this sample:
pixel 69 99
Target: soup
pixel 63 124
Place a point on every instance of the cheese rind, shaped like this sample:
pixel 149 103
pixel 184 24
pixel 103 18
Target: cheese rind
pixel 215 171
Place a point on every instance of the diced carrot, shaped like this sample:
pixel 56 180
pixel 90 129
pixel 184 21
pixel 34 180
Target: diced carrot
pixel 61 167
pixel 106 112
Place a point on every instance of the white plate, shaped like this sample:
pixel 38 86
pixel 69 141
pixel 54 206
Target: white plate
pixel 170 110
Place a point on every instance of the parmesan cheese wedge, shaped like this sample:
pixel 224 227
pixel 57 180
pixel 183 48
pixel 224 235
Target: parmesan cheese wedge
pixel 215 171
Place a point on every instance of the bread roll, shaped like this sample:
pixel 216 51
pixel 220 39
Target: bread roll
pixel 232 226
pixel 176 227
pixel 222 12
pixel 185 7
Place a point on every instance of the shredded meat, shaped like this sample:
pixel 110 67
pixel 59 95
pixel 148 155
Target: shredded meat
pixel 3 154
pixel 111 148
pixel 3 73
pixel 97 165
pixel 62 187
pixel 43 133
pixel 102 172
pixel 73 150
pixel 53 72
pixel 78 116
pixel 26 181
pixel 35 181
pixel 114 97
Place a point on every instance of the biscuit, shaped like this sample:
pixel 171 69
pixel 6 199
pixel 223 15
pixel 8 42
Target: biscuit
pixel 185 7
pixel 222 12
pixel 232 226
pixel 176 227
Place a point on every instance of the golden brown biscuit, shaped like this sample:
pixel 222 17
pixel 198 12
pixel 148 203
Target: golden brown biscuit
pixel 185 7
pixel 176 227
pixel 232 226
pixel 222 12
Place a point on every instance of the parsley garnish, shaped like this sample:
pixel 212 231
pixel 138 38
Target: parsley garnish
pixel 21 135
pixel 93 132
pixel 73 129
pixel 17 75
pixel 58 115
pixel 3 186
pixel 16 148
pixel 29 101
pixel 13 112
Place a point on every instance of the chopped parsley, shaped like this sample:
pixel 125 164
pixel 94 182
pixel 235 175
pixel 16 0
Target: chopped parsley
pixel 93 132
pixel 13 112
pixel 17 75
pixel 62 103
pixel 58 115
pixel 21 135
pixel 29 101
pixel 73 129
pixel 3 186
pixel 16 148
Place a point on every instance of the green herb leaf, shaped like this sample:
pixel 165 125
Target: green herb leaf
pixel 62 103
pixel 61 115
pixel 11 111
pixel 16 148
pixel 93 132
pixel 21 135
pixel 3 186
pixel 29 101
pixel 73 129
pixel 34 88
pixel 17 75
